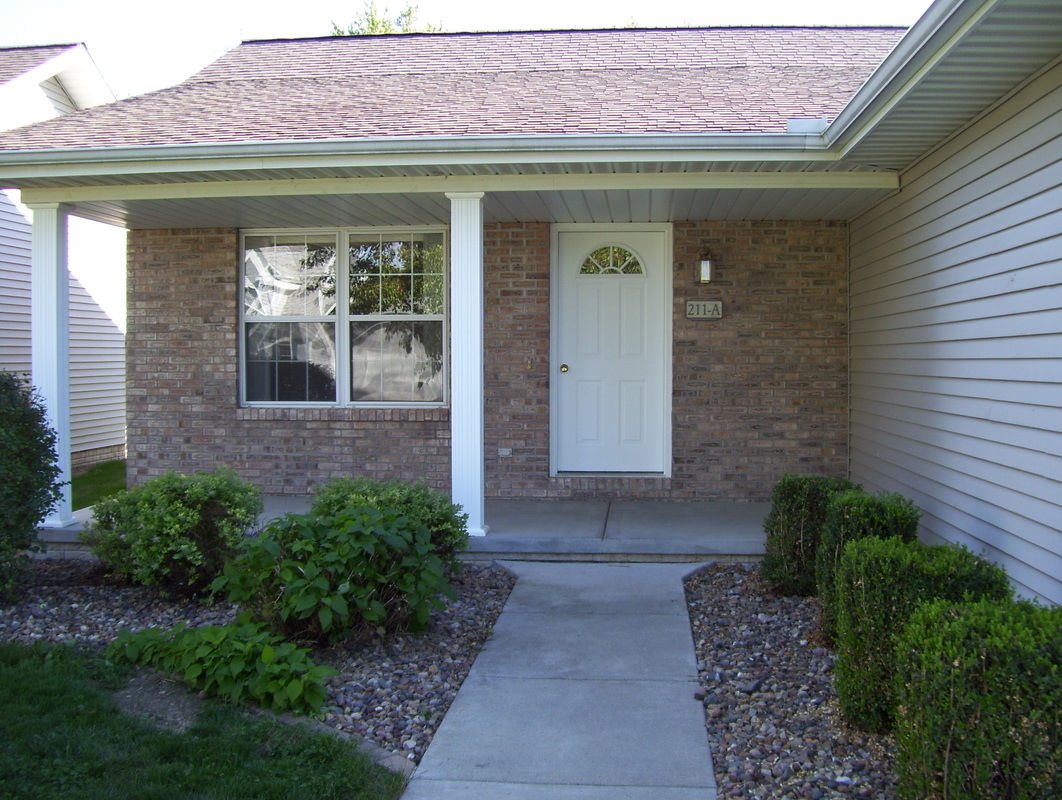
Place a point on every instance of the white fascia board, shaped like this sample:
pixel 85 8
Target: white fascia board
pixel 466 183
pixel 82 79
pixel 78 74
pixel 944 25
pixel 409 151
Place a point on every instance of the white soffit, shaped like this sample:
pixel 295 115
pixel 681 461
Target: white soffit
pixel 970 54
pixel 618 205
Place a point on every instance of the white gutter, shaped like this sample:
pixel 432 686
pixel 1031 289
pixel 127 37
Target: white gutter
pixel 944 25
pixel 409 151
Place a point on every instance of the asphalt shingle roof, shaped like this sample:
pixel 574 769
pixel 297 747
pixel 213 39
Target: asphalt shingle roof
pixel 707 80
pixel 16 60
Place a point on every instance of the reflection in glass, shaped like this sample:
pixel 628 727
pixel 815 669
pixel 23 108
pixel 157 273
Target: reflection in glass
pixel 397 276
pixel 291 361
pixel 611 260
pixel 396 361
pixel 289 275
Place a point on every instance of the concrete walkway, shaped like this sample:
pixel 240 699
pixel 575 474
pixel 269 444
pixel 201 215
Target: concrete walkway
pixel 584 692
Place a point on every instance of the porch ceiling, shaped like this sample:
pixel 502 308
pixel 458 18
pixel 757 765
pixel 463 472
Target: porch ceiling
pixel 619 205
pixel 416 194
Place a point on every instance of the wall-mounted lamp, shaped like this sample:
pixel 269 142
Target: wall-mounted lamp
pixel 704 273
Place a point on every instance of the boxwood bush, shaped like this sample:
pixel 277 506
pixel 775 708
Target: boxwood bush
pixel 979 694
pixel 29 476
pixel 851 515
pixel 793 526
pixel 316 579
pixel 880 583
pixel 174 531
pixel 421 504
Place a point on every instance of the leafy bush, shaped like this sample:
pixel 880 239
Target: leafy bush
pixel 793 526
pixel 241 662
pixel 979 692
pixel 421 504
pixel 319 578
pixel 857 515
pixel 880 582
pixel 174 531
pixel 29 475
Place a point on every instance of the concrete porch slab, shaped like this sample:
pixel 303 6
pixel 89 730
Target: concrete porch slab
pixel 627 530
pixel 562 519
pixel 651 519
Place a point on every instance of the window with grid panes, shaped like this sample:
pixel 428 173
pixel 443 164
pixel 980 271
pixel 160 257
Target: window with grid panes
pixel 386 344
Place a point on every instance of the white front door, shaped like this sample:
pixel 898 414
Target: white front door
pixel 611 363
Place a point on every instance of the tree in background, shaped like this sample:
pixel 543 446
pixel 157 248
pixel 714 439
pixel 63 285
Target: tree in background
pixel 373 21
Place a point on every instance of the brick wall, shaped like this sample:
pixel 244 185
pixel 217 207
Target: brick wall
pixel 756 394
pixel 760 392
pixel 183 386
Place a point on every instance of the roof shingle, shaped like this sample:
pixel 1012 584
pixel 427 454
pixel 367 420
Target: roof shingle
pixel 706 80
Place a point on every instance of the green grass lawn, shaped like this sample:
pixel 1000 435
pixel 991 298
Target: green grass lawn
pixel 99 481
pixel 62 736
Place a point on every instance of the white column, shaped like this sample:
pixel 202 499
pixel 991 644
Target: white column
pixel 50 359
pixel 466 356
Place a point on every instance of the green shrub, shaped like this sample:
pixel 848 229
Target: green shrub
pixel 174 531
pixel 857 515
pixel 880 582
pixel 316 579
pixel 793 526
pixel 979 693
pixel 29 475
pixel 241 662
pixel 421 504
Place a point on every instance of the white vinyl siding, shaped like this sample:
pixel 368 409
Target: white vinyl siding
pixel 58 97
pixel 97 344
pixel 956 339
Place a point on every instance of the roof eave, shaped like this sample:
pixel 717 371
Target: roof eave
pixel 928 41
pixel 393 151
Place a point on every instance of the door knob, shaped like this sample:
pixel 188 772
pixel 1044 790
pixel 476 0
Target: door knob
pixel 563 367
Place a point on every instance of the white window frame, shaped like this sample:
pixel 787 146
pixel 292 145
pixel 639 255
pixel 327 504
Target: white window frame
pixel 343 317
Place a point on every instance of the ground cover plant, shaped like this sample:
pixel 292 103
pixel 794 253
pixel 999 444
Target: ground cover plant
pixel 61 737
pixel 29 476
pixel 793 526
pixel 979 693
pixel 98 481
pixel 880 583
pixel 174 531
pixel 243 663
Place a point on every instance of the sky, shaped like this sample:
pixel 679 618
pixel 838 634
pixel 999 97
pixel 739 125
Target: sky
pixel 145 45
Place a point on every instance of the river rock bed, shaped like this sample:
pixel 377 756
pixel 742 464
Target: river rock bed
pixel 770 705
pixel 766 683
pixel 393 692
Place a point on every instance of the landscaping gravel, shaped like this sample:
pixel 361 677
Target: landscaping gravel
pixel 766 682
pixel 770 705
pixel 392 692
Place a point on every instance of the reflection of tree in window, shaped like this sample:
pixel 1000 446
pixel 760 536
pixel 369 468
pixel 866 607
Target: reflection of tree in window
pixel 400 361
pixel 611 260
pixel 289 361
pixel 395 309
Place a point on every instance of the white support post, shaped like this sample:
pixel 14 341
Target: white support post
pixel 50 356
pixel 466 357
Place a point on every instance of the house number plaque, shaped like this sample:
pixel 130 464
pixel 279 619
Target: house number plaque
pixel 704 309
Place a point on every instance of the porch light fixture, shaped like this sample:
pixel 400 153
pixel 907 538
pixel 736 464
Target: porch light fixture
pixel 704 272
